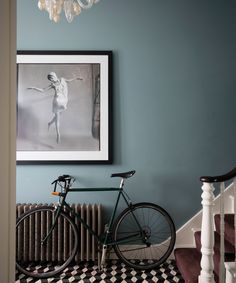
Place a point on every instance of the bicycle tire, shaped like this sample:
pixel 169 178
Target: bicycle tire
pixel 157 230
pixel 43 261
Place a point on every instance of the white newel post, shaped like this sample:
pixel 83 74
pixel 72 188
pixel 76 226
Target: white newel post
pixel 207 235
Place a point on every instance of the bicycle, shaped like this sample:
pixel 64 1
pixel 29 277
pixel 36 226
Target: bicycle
pixel 142 235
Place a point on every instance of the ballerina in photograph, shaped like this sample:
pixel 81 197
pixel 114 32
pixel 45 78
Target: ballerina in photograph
pixel 60 98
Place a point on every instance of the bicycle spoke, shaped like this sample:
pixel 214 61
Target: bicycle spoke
pixel 48 256
pixel 157 236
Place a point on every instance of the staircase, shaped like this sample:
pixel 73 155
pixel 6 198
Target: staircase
pixel 203 262
pixel 188 259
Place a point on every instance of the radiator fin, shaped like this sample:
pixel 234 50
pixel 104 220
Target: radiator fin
pixel 61 241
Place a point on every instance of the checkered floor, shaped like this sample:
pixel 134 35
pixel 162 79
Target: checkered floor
pixel 115 271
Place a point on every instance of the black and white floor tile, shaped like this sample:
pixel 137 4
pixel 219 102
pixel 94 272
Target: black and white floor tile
pixel 114 271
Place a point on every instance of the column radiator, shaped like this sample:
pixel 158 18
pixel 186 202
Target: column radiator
pixel 88 246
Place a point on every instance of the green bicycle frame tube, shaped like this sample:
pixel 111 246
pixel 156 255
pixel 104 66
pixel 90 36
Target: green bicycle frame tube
pixel 111 221
pixel 58 212
pixel 101 239
pixel 104 240
pixel 93 190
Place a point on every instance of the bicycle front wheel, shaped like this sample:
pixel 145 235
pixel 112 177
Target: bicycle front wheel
pixel 144 236
pixel 41 257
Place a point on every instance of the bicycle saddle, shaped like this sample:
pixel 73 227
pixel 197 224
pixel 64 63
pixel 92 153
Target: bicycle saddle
pixel 124 175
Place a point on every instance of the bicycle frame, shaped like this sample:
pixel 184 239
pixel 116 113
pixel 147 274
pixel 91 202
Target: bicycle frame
pixel 142 235
pixel 104 240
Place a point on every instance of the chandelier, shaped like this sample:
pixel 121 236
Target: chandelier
pixel 71 8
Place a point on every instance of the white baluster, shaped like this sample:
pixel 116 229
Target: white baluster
pixel 230 272
pixel 222 234
pixel 207 235
pixel 231 266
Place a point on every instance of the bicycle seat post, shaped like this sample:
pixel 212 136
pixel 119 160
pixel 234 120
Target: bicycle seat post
pixel 122 182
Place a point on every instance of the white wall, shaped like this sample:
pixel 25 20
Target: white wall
pixel 7 140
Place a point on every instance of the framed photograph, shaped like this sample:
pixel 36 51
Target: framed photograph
pixel 64 107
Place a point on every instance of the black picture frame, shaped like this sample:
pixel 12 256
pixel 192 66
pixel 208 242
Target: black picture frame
pixel 64 107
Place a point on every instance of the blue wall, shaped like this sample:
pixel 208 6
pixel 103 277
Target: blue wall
pixel 174 96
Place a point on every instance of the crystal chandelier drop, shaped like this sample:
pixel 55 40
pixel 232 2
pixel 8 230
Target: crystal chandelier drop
pixel 71 8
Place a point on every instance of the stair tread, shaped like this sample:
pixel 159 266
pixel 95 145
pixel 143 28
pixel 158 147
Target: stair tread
pixel 229 218
pixel 188 263
pixel 229 249
pixel 229 227
pixel 188 259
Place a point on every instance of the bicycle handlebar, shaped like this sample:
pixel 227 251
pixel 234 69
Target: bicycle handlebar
pixel 63 178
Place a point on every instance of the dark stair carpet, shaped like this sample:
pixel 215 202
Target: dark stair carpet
pixel 229 227
pixel 188 259
pixel 115 271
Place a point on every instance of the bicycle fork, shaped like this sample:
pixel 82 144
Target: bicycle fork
pixel 49 233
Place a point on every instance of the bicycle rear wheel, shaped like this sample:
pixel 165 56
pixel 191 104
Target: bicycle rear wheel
pixel 145 236
pixel 42 260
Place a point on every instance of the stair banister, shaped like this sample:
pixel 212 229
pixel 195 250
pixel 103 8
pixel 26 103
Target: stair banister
pixel 207 236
